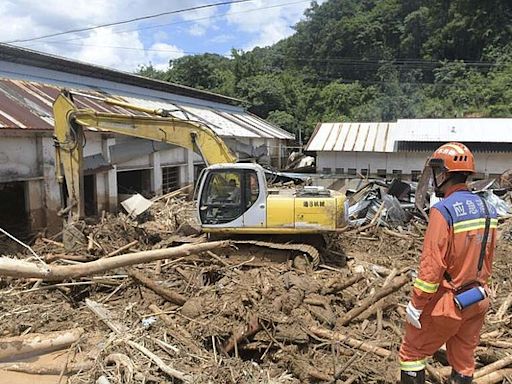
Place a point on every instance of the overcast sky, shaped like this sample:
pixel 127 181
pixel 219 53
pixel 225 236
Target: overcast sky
pixel 125 47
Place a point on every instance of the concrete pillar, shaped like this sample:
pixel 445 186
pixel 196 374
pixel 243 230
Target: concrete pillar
pixel 190 166
pixel 35 204
pixel 156 175
pixel 101 182
pixel 50 189
pixel 110 177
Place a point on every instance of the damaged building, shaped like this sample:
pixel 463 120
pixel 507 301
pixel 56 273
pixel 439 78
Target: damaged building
pixel 115 165
pixel 399 149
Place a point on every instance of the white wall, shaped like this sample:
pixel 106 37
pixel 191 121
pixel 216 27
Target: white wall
pixel 486 163
pixel 18 158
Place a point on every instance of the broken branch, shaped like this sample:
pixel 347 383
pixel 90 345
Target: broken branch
pixel 336 336
pixel 395 285
pixel 167 294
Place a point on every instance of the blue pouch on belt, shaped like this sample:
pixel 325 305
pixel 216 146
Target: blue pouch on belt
pixel 469 297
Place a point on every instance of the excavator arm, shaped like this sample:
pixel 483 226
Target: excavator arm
pixel 158 125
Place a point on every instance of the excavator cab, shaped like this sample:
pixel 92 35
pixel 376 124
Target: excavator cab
pixel 232 195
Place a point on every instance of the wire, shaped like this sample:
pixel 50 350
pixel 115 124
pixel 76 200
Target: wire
pixel 188 21
pixel 128 21
pixel 361 64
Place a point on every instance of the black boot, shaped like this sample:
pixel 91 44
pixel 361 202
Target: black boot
pixel 457 378
pixel 412 377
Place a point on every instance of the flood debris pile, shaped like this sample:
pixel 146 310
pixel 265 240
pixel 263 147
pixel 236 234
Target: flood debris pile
pixel 392 203
pixel 143 300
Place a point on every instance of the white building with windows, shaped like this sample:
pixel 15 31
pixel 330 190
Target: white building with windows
pixel 401 148
pixel 114 165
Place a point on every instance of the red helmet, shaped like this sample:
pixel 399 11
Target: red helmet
pixel 453 157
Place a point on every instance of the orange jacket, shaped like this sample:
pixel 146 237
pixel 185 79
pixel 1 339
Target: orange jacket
pixel 452 244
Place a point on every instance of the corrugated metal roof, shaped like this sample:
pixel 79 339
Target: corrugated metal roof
pixel 28 105
pixel 444 130
pixel 386 137
pixel 350 137
pixel 24 56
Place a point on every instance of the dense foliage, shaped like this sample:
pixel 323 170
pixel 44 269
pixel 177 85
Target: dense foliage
pixel 375 60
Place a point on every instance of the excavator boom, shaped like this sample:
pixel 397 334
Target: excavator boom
pixel 159 126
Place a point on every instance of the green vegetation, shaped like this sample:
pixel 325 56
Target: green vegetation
pixel 375 60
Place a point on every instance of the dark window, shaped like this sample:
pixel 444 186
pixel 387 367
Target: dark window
pixel 340 171
pixel 132 182
pixel 381 172
pixel 197 170
pixel 352 171
pixel 397 173
pixel 364 171
pixel 90 204
pixel 170 179
pixel 13 210
pixel 252 188
pixel 415 175
pixel 326 170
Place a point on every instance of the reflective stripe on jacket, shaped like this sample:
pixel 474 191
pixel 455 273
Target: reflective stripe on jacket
pixel 452 244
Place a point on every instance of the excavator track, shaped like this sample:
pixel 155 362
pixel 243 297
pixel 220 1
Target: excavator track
pixel 312 252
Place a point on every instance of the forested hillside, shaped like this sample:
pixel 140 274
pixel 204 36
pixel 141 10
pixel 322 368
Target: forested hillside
pixel 375 60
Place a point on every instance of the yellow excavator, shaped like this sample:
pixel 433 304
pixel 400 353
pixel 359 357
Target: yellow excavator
pixel 232 198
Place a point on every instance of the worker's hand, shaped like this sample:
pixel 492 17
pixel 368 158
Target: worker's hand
pixel 413 315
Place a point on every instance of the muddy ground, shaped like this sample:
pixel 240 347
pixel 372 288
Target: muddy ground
pixel 259 295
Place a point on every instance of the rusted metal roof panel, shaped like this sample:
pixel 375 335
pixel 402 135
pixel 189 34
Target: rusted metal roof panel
pixel 28 105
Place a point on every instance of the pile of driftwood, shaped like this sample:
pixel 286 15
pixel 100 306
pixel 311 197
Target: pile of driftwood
pixel 129 305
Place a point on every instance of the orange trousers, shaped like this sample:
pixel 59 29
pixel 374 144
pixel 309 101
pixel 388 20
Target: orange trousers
pixel 442 322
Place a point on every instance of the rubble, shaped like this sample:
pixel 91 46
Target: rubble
pixel 393 204
pixel 233 314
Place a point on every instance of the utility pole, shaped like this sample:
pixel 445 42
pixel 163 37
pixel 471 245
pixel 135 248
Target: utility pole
pixel 300 140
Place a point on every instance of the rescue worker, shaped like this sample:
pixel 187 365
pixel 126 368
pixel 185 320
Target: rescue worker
pixel 456 259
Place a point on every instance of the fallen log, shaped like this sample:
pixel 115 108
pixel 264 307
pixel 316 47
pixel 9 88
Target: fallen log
pixel 393 286
pixel 37 343
pixel 497 365
pixel 496 343
pixel 494 377
pixel 167 294
pixel 47 369
pixel 22 269
pixel 363 346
